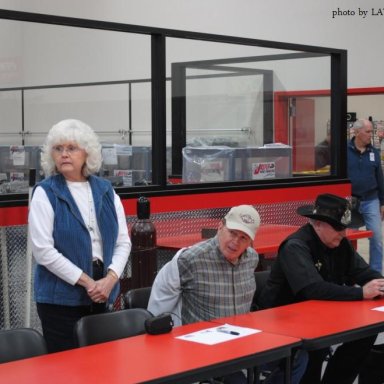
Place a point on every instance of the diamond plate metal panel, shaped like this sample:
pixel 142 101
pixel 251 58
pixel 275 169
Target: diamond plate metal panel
pixel 18 308
pixel 16 295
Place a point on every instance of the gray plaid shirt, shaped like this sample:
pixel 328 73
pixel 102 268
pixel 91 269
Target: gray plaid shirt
pixel 211 286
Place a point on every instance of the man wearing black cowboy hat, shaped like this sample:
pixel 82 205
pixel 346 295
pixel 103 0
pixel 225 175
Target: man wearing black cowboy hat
pixel 319 262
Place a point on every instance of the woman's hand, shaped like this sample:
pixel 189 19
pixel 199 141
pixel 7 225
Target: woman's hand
pixel 86 281
pixel 102 288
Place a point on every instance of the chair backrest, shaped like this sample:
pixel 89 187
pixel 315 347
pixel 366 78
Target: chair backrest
pixel 137 297
pixel 20 343
pixel 98 328
pixel 261 278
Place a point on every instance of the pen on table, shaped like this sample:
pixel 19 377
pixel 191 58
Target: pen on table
pixel 228 332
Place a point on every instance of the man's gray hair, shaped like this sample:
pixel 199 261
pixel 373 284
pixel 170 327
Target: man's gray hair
pixel 358 124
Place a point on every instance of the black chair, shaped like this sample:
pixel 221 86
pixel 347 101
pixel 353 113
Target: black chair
pixel 102 327
pixel 137 297
pixel 20 343
pixel 261 278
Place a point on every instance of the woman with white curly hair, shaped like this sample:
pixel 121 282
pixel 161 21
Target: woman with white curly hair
pixel 78 233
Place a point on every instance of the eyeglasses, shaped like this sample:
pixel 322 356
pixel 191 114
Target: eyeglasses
pixel 70 149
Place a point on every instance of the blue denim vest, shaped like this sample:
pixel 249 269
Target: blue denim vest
pixel 72 239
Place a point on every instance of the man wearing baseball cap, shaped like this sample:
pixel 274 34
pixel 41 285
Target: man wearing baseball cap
pixel 214 278
pixel 318 262
pixel 227 260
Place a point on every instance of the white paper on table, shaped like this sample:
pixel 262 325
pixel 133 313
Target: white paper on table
pixel 380 309
pixel 215 335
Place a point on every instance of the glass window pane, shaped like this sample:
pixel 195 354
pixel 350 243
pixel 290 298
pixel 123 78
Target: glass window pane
pixel 241 111
pixel 11 118
pixel 103 107
pixel 51 72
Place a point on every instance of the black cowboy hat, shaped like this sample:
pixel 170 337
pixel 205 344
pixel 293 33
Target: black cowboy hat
pixel 334 210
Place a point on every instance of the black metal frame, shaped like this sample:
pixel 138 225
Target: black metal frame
pixel 158 77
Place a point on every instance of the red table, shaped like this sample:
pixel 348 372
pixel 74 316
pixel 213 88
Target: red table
pixel 318 323
pixel 165 359
pixel 150 359
pixel 267 240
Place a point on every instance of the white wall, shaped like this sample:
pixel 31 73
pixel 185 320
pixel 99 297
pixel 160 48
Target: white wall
pixel 308 22
pixel 296 21
pixel 367 105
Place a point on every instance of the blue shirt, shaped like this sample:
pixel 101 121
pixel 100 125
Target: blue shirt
pixel 365 172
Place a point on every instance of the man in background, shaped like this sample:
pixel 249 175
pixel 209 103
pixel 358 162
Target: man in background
pixel 366 175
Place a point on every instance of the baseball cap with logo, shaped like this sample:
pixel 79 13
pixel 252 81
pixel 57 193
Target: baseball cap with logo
pixel 243 218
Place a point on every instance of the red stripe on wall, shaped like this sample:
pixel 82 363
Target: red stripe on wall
pixel 10 216
pixel 13 216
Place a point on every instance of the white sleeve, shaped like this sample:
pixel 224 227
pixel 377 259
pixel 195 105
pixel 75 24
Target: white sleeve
pixel 166 291
pixel 123 242
pixel 40 226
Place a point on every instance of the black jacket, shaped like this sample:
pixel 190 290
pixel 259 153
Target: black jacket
pixel 306 269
